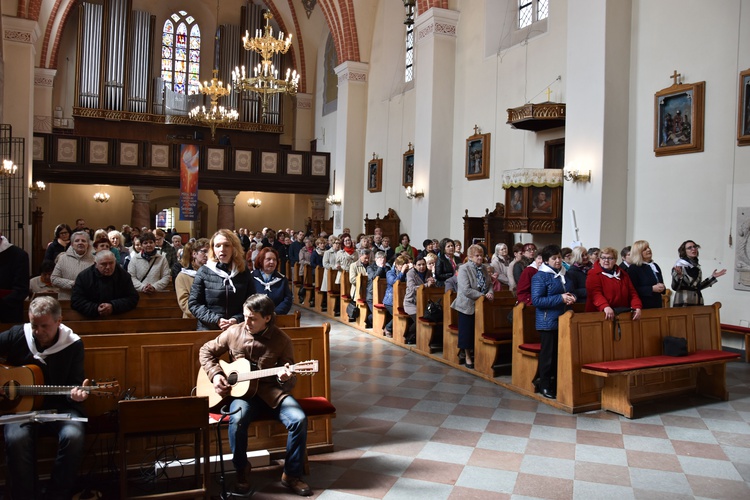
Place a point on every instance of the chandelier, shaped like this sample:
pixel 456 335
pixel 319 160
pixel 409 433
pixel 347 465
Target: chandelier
pixel 254 202
pixel 265 81
pixel 101 196
pixel 215 115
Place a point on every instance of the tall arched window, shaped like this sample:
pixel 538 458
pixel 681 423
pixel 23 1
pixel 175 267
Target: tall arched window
pixel 181 53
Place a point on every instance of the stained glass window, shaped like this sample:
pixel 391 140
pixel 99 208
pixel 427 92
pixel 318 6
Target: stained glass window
pixel 181 53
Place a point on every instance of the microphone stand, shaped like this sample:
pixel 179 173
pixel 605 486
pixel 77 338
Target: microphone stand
pixel 222 481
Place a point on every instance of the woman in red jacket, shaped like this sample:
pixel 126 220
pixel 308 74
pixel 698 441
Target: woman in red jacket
pixel 608 287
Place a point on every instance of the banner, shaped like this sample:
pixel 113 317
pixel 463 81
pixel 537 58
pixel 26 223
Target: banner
pixel 189 161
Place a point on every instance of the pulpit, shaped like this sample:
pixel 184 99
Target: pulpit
pixel 533 200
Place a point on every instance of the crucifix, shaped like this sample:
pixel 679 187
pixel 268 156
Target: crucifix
pixel 410 146
pixel 675 76
pixel 476 130
pixel 549 93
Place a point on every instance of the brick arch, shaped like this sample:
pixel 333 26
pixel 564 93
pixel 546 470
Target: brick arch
pixel 339 15
pixel 425 5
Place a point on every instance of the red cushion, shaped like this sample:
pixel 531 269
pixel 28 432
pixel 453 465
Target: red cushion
pixel 402 311
pixel 379 306
pixel 497 337
pixel 623 365
pixel 426 321
pixel 452 327
pixel 735 329
pixel 313 406
pixel 345 296
pixel 537 348
pixel 360 301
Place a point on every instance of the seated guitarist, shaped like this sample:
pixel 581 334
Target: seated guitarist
pixel 265 346
pixel 54 348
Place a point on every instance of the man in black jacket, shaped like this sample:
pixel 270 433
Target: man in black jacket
pixel 104 288
pixel 14 281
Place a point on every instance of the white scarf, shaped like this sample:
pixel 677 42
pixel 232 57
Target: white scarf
pixel 268 284
pixel 544 268
pixel 65 338
pixel 683 263
pixel 615 273
pixel 227 277
pixel 4 244
pixel 653 268
pixel 189 272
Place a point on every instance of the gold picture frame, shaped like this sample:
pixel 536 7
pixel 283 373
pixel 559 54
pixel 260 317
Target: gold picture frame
pixel 679 113
pixel 375 175
pixel 407 176
pixel 743 110
pixel 477 156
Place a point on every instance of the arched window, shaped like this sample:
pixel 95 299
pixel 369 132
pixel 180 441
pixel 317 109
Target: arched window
pixel 181 53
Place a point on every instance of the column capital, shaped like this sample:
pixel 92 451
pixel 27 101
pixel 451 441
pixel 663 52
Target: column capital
pixel 141 193
pixel 437 22
pixel 44 77
pixel 226 197
pixel 304 101
pixel 317 202
pixel 17 29
pixel 352 72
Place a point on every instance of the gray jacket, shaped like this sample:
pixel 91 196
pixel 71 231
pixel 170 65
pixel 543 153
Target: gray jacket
pixel 468 291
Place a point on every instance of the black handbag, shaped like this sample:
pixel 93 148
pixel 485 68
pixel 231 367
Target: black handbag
pixel 352 311
pixel 433 312
pixel 674 346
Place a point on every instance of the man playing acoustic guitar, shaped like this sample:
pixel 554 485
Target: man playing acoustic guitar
pixel 45 343
pixel 260 342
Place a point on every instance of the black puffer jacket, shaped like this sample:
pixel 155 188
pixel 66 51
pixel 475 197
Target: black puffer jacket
pixel 92 288
pixel 212 297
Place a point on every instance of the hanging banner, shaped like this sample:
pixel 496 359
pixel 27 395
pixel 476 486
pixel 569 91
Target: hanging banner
pixel 189 161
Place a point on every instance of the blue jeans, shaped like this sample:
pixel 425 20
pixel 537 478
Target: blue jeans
pixel 20 449
pixel 288 413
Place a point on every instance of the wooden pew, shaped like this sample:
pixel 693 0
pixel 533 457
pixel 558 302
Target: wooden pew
pixel 344 297
pixel 137 313
pixel 587 339
pixel 108 326
pixel 526 347
pixel 428 332
pixel 288 320
pixel 360 298
pixel 739 330
pixel 401 320
pixel 334 294
pixel 308 285
pixel 296 282
pixel 450 329
pixel 492 331
pixel 320 297
pixel 379 312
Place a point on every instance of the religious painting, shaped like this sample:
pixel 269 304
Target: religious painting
pixel 408 167
pixel 375 175
pixel 243 160
pixel 38 152
pixel 541 200
pixel 478 156
pixel 678 119
pixel 318 165
pixel 743 115
pixel 98 152
pixel 129 153
pixel 515 200
pixel 268 162
pixel 215 159
pixel 159 157
pixel 67 150
pixel 294 164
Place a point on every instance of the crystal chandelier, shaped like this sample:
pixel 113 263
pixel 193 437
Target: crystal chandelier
pixel 101 197
pixel 265 81
pixel 215 115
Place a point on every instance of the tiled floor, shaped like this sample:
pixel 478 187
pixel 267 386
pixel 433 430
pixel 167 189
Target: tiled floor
pixel 408 427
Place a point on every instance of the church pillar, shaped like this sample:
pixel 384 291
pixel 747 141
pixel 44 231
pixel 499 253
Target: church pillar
pixel 43 83
pixel 349 155
pixel 140 213
pixel 433 138
pixel 225 213
pixel 303 121
pixel 596 129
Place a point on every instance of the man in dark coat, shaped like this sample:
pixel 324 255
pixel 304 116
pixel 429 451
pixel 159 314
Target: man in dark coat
pixel 104 288
pixel 14 281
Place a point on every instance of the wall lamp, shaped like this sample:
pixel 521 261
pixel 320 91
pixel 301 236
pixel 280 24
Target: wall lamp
pixel 412 193
pixel 254 202
pixel 101 197
pixel 37 187
pixel 333 199
pixel 577 175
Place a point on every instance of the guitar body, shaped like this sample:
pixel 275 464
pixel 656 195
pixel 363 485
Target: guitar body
pixel 205 388
pixel 11 377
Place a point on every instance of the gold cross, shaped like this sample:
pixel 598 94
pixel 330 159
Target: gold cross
pixel 549 92
pixel 476 129
pixel 374 156
pixel 410 147
pixel 675 76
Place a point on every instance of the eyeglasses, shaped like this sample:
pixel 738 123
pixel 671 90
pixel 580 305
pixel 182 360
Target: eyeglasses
pixel 607 258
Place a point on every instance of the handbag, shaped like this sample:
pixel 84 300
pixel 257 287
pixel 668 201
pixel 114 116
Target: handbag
pixel 674 346
pixel 352 311
pixel 433 312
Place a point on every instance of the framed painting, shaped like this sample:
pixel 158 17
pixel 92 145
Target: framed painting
pixel 215 159
pixel 67 150
pixel 375 175
pixel 39 148
pixel 408 168
pixel 318 165
pixel 98 152
pixel 678 119
pixel 541 201
pixel 243 160
pixel 478 157
pixel 294 164
pixel 515 200
pixel 743 116
pixel 269 162
pixel 159 157
pixel 129 153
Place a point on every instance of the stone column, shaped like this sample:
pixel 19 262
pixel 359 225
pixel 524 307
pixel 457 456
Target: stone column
pixel 225 213
pixel 433 136
pixel 351 125
pixel 44 80
pixel 140 213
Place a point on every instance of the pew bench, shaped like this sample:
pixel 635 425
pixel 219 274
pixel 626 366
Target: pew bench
pixel 492 332
pixel 526 348
pixel 429 338
pixel 360 298
pixel 739 330
pixel 319 296
pixel 334 294
pixel 344 297
pixel 401 320
pixel 379 312
pixel 450 329
pixel 710 367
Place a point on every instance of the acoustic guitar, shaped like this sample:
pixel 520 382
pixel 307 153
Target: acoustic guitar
pixel 243 379
pixel 22 389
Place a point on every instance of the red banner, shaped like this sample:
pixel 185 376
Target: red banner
pixel 189 161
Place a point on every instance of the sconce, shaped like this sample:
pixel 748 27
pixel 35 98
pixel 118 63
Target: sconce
pixel 9 169
pixel 253 202
pixel 37 187
pixel 409 5
pixel 333 199
pixel 101 197
pixel 412 193
pixel 577 175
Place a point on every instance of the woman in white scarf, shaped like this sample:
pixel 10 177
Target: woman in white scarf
pixel 687 278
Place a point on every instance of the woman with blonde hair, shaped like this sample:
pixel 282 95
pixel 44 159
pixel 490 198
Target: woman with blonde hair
pixel 646 276
pixel 221 286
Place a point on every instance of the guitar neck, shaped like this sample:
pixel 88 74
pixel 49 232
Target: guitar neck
pixel 268 372
pixel 50 390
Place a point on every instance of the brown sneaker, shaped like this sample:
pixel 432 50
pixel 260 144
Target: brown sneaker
pixel 243 480
pixel 296 484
